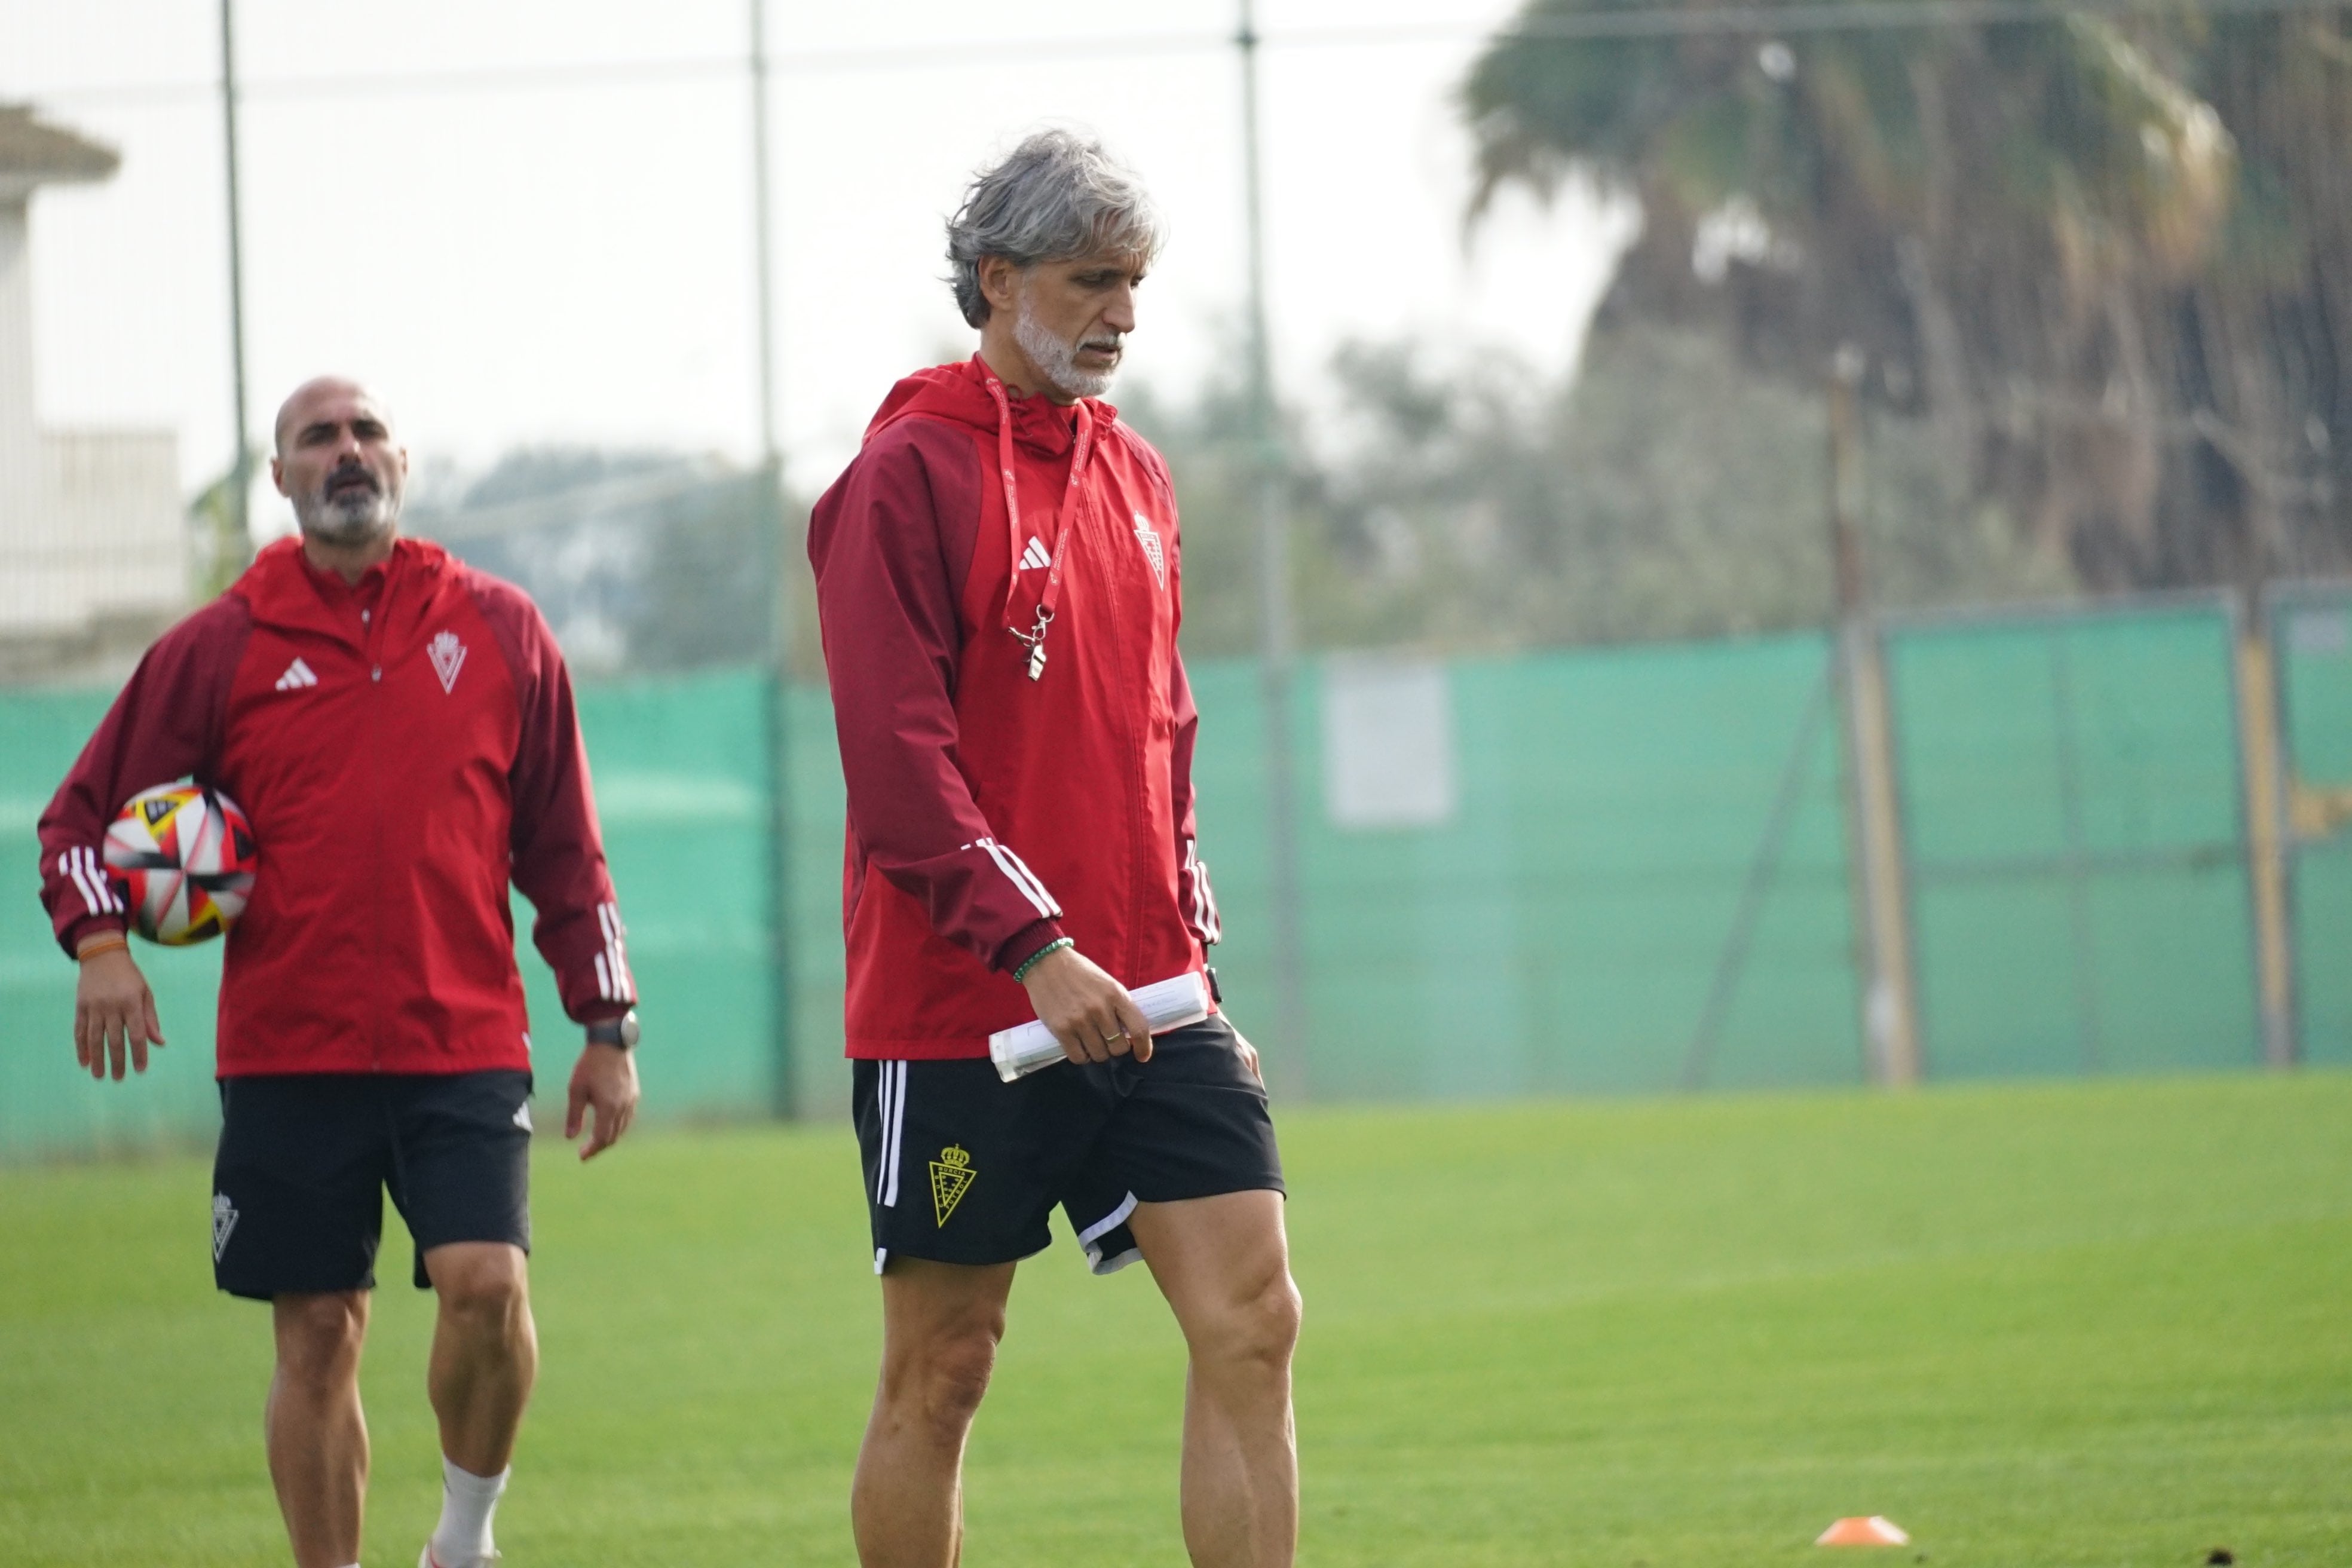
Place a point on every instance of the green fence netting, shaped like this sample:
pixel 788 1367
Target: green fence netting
pixel 2312 629
pixel 46 1105
pixel 2072 805
pixel 1625 870
pixel 1560 931
pixel 682 785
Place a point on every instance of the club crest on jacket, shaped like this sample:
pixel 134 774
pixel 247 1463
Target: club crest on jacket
pixel 1150 539
pixel 449 656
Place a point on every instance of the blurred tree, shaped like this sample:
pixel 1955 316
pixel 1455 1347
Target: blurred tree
pixel 641 559
pixel 220 547
pixel 1469 504
pixel 1207 441
pixel 2100 259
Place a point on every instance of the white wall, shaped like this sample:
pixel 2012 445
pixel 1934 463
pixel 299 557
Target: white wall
pixel 19 455
pixel 90 521
pixel 109 538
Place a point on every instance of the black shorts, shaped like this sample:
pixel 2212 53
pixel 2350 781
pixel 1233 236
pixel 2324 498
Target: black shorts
pixel 962 1167
pixel 304 1159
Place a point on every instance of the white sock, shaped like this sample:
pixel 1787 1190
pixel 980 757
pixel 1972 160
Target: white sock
pixel 463 1536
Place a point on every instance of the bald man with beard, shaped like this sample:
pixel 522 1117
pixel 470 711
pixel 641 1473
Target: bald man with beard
pixel 399 730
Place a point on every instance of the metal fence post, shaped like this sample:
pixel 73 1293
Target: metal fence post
pixel 240 498
pixel 1277 637
pixel 774 529
pixel 2260 763
pixel 1874 816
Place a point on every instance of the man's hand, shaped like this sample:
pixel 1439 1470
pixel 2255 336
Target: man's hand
pixel 114 1013
pixel 1089 1013
pixel 605 1078
pixel 1249 1056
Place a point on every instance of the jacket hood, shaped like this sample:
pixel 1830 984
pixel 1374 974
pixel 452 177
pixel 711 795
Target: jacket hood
pixel 959 394
pixel 282 589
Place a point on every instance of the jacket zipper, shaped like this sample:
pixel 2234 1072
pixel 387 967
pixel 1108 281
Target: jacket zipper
pixel 372 640
pixel 1103 543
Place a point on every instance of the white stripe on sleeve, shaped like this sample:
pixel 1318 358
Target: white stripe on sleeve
pixel 624 986
pixel 70 864
pixel 1204 901
pixel 1022 867
pixel 97 864
pixel 1021 877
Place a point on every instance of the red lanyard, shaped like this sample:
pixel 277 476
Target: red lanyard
pixel 1033 639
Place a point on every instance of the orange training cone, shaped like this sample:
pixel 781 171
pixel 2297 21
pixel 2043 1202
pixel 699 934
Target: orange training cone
pixel 1876 1531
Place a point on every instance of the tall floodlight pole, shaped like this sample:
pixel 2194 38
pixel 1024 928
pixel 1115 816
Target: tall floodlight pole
pixel 1276 637
pixel 763 236
pixel 778 553
pixel 241 474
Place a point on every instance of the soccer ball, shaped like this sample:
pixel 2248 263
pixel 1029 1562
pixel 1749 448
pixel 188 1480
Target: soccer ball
pixel 185 855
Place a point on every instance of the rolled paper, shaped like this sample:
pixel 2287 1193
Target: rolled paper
pixel 1166 1003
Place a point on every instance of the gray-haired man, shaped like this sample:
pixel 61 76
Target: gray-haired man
pixel 1021 845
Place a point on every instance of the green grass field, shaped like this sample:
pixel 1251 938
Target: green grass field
pixel 2081 1324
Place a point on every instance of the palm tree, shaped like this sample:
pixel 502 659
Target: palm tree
pixel 2088 252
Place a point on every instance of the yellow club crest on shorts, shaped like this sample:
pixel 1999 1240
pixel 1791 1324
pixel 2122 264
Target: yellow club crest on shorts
pixel 951 1177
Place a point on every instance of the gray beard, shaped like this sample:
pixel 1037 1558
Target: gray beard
pixel 1056 359
pixel 360 520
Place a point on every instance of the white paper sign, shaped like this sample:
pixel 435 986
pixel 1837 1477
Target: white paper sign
pixel 1388 742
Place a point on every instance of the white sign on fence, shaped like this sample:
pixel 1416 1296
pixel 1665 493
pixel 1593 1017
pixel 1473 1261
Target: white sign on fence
pixel 1388 742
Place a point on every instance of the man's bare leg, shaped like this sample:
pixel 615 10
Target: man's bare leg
pixel 317 1433
pixel 485 1351
pixel 1225 1265
pixel 941 1325
pixel 485 1359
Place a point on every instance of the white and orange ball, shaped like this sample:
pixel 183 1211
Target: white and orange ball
pixel 185 857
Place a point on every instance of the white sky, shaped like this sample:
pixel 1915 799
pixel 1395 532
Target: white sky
pixel 568 260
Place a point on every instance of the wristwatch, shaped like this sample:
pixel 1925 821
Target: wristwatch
pixel 621 1031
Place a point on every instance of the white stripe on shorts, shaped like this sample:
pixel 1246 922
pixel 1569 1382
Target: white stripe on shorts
pixel 1110 1221
pixel 893 1089
pixel 1090 1237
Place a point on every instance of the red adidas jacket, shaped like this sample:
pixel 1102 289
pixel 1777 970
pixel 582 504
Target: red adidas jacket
pixel 401 746
pixel 989 813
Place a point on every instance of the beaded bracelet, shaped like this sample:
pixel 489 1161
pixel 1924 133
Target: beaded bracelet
pixel 104 945
pixel 1043 953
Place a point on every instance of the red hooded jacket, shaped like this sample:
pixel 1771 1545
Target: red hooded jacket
pixel 401 746
pixel 990 813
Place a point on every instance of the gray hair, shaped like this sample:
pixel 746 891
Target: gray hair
pixel 1056 195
